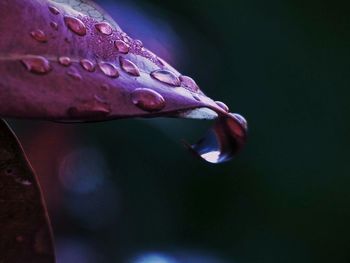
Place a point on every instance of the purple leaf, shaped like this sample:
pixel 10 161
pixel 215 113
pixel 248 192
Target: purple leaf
pixel 73 63
pixel 25 227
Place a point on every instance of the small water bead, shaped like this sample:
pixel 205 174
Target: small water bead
pixel 105 87
pixel 54 10
pixel 241 120
pixel 37 64
pixel 73 73
pixel 54 25
pixel 166 76
pixel 189 83
pixel 39 35
pixel 129 67
pixel 104 28
pixel 222 105
pixel 87 65
pixel 65 61
pixel 91 109
pixel 138 43
pixel 147 99
pixel 75 25
pixel 121 46
pixel 109 69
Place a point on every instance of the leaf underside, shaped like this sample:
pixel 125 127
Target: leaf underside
pixel 25 228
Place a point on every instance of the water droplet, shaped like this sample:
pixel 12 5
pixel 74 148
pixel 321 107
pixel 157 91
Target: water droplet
pixel 241 120
pixel 121 46
pixel 189 83
pixel 75 25
pixel 87 65
pixel 109 69
pixel 73 73
pixel 92 109
pixel 138 43
pixel 147 99
pixel 196 97
pixel 65 61
pixel 104 28
pixel 37 64
pixel 66 39
pixel 129 67
pixel 222 105
pixel 54 25
pixel 54 10
pixel 166 76
pixel 39 35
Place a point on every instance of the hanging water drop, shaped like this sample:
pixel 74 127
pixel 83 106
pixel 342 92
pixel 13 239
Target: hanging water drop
pixel 121 46
pixel 87 65
pixel 93 109
pixel 37 64
pixel 104 28
pixel 75 25
pixel 147 99
pixel 189 83
pixel 109 69
pixel 39 35
pixel 129 67
pixel 166 76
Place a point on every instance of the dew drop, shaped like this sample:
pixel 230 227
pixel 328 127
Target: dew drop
pixel 91 109
pixel 73 73
pixel 189 83
pixel 147 99
pixel 138 43
pixel 105 87
pixel 166 76
pixel 39 35
pixel 222 105
pixel 54 25
pixel 75 25
pixel 121 46
pixel 109 69
pixel 54 10
pixel 104 28
pixel 87 65
pixel 129 67
pixel 65 61
pixel 37 64
pixel 241 120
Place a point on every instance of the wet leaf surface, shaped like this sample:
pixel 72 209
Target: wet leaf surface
pixel 69 61
pixel 25 228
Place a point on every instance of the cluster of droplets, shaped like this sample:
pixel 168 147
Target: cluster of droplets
pixel 145 99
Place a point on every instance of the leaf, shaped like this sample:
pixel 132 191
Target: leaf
pixel 25 228
pixel 71 62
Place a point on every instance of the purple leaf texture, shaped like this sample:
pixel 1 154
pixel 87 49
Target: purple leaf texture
pixel 25 227
pixel 69 61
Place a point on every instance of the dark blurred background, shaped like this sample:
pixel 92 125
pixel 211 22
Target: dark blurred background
pixel 127 191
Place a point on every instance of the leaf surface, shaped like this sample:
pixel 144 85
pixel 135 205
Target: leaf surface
pixel 67 60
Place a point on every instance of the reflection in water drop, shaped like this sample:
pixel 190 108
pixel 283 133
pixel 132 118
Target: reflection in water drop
pixel 54 25
pixel 121 46
pixel 54 10
pixel 189 83
pixel 241 120
pixel 37 64
pixel 166 76
pixel 147 99
pixel 154 258
pixel 129 67
pixel 109 69
pixel 39 35
pixel 75 25
pixel 87 65
pixel 104 28
pixel 65 61
pixel 74 74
